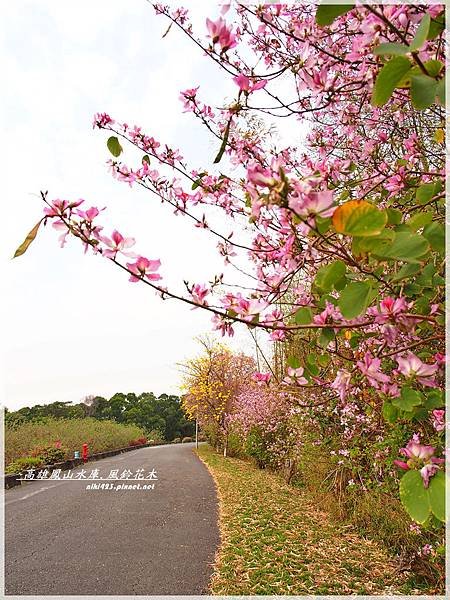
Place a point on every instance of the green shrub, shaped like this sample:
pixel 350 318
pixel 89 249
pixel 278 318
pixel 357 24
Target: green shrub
pixel 256 447
pixel 155 436
pixel 51 455
pixel 20 465
pixel 100 436
pixel 235 445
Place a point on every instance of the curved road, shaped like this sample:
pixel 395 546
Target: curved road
pixel 62 538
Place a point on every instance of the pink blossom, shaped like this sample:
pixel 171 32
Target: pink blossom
pixel 245 84
pixel 295 377
pixel 370 367
pixel 262 377
pixel 260 176
pixel 410 365
pixel 221 34
pixel 389 309
pixel 438 419
pixel 102 120
pixel 313 203
pixel 419 457
pixel 117 243
pixel 58 207
pixel 143 267
pixel 426 550
pixel 223 325
pixel 342 383
pixel 199 293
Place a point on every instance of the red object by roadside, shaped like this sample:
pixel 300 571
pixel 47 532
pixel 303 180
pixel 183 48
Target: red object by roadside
pixel 85 452
pixel 58 444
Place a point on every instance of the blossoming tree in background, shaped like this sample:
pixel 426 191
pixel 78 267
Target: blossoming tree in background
pixel 213 381
pixel 347 245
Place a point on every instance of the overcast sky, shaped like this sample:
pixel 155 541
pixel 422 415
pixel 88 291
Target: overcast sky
pixel 73 324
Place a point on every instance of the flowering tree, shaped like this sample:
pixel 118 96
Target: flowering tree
pixel 213 382
pixel 346 256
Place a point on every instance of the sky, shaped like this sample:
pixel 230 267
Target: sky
pixel 72 324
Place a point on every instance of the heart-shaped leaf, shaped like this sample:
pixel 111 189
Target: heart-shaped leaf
pixel 359 218
pixel 414 496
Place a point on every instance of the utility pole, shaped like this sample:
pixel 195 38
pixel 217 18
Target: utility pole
pixel 196 432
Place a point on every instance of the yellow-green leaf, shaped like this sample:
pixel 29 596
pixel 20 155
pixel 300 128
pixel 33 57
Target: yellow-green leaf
pixel 359 218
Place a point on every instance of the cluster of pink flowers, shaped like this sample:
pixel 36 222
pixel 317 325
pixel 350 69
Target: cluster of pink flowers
pixel 420 457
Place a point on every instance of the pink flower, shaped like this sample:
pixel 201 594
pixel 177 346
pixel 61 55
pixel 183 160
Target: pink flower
pixel 419 457
pixel 389 309
pixel 313 203
pixel 221 34
pixel 199 293
pixel 438 419
pixel 117 243
pixel 143 267
pixel 261 377
pixel 246 85
pixel 188 98
pixel 102 120
pixel 58 207
pixel 222 325
pixel 342 383
pixel 295 377
pixel 410 365
pixel 89 214
pixel 260 176
pixel 370 367
pixel 426 550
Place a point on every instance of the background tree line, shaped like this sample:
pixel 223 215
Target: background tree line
pixel 162 414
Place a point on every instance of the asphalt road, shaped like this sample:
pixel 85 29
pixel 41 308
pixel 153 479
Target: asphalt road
pixel 63 539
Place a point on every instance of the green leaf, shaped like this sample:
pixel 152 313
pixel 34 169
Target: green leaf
pixel 146 158
pixel 303 316
pixel 394 216
pixel 322 224
pixel 421 34
pixel 409 247
pixel 359 218
pixel 311 364
pixel 434 399
pixel 419 220
pixel 326 336
pixel 327 13
pixel 425 192
pixel 391 49
pixel 293 362
pixel 323 359
pixel 406 271
pixel 388 78
pixel 409 398
pixel 328 275
pixel 435 234
pixel 114 146
pixel 27 241
pixel 423 91
pixel 414 496
pixel 440 91
pixel 433 67
pixel 436 495
pixel 390 412
pixel 436 27
pixel 354 299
